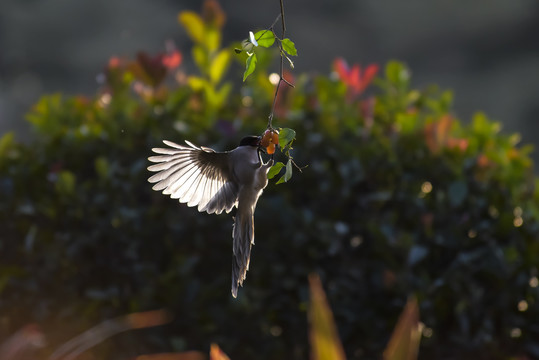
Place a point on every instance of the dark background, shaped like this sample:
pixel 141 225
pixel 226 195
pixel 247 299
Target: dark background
pixel 484 50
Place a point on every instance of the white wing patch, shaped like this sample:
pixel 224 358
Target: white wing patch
pixel 195 176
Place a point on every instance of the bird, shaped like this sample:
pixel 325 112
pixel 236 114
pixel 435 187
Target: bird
pixel 215 182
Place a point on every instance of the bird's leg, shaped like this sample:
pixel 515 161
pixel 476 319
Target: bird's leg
pixel 269 163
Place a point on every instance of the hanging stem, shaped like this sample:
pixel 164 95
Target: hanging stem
pixel 281 65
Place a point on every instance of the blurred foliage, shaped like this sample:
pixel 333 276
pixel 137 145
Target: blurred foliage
pixel 399 198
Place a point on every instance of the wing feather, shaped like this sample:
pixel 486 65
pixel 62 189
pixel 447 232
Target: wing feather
pixel 197 176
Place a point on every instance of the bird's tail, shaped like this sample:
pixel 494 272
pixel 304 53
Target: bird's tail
pixel 243 233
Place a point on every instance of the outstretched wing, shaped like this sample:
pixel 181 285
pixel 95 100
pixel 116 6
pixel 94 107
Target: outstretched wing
pixel 198 176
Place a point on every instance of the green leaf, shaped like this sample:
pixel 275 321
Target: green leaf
pixel 289 47
pixel 6 143
pixel 212 39
pixel 265 38
pixel 275 169
pixel 65 183
pixel 102 167
pixel 397 73
pixel 286 136
pixel 194 25
pixel 250 65
pixel 222 94
pixel 219 65
pixel 197 83
pixel 288 174
pixel 200 56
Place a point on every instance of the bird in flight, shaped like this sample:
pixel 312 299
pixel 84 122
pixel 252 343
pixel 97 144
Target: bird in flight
pixel 215 182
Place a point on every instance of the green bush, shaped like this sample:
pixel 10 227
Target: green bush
pixel 399 198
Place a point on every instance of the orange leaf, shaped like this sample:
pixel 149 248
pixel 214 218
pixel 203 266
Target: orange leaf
pixel 213 14
pixel 442 129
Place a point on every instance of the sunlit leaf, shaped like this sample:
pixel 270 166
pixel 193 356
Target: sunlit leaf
pixel 404 343
pixel 265 38
pixel 212 39
pixel 288 173
pixel 250 65
pixel 197 83
pixel 275 169
pixel 323 336
pixel 286 136
pixel 219 65
pixel 289 47
pixel 194 25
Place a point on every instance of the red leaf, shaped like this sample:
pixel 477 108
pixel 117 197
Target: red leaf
pixel 172 60
pixel 354 78
pixel 368 75
pixel 341 67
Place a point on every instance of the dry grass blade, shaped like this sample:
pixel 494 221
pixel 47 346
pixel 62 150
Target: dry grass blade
pixel 325 342
pixel 74 347
pixel 188 355
pixel 404 343
pixel 23 341
pixel 217 354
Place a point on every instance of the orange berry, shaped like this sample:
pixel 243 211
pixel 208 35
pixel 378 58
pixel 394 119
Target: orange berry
pixel 266 139
pixel 275 137
pixel 270 149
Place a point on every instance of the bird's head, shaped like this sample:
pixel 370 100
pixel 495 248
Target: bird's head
pixel 251 140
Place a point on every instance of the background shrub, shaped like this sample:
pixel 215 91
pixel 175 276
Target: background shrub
pixel 399 198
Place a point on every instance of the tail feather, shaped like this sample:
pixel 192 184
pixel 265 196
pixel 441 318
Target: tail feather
pixel 243 234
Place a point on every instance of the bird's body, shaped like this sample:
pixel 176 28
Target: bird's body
pixel 216 182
